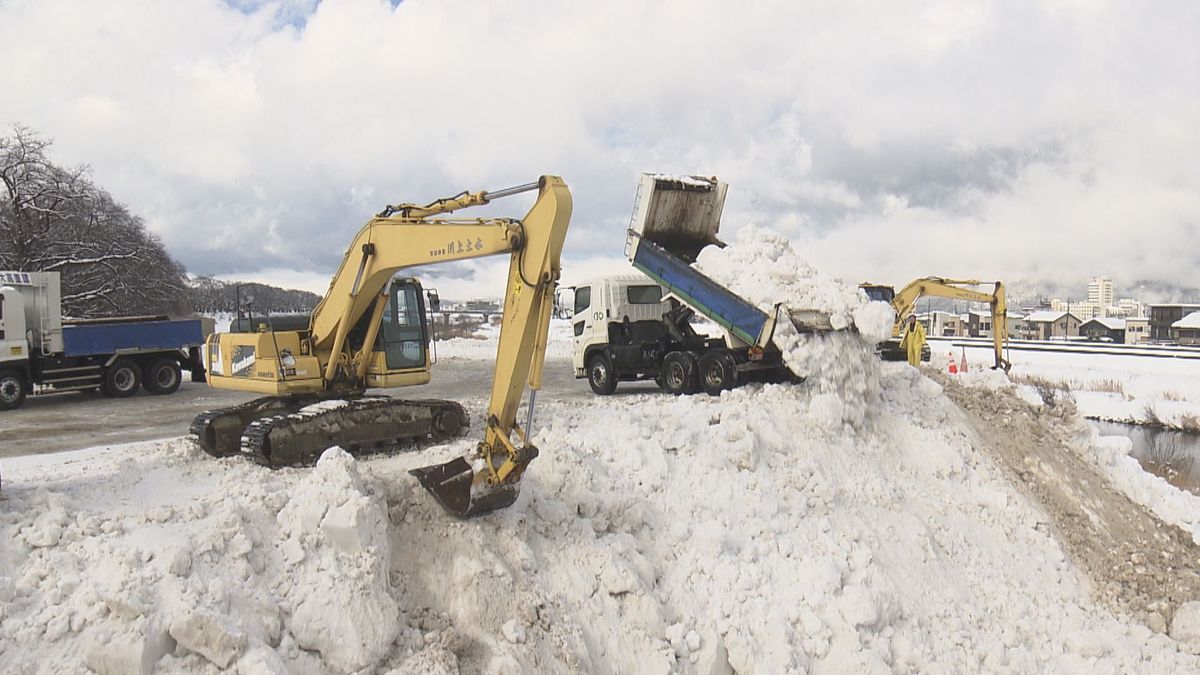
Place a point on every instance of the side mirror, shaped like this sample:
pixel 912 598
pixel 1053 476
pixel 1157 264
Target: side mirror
pixel 435 303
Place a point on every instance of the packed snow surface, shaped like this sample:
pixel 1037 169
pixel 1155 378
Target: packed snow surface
pixel 653 534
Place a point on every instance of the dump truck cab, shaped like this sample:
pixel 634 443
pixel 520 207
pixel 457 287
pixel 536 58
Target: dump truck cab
pixel 604 307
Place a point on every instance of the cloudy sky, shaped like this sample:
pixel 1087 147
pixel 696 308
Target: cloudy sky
pixel 1034 142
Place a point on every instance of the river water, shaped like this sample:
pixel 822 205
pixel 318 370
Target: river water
pixel 1173 455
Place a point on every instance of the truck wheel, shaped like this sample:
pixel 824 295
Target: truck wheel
pixel 718 371
pixel 601 376
pixel 163 377
pixel 12 390
pixel 121 379
pixel 679 373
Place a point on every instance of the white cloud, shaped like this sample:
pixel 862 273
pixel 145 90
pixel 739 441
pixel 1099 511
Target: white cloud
pixel 889 140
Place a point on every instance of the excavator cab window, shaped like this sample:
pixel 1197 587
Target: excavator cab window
pixel 404 333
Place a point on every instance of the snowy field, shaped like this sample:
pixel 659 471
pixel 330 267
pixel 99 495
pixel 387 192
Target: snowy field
pixel 654 534
pixel 855 523
pixel 1146 388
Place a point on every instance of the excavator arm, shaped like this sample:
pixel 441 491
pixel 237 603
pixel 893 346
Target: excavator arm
pixel 906 299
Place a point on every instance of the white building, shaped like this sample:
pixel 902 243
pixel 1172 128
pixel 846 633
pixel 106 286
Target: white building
pixel 1137 330
pixel 1130 308
pixel 1100 292
pixel 1084 311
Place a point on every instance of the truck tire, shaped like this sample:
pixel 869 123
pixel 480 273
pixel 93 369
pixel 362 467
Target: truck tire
pixel 601 376
pixel 679 373
pixel 162 377
pixel 718 371
pixel 121 379
pixel 12 389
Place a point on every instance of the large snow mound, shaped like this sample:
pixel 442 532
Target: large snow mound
pixel 653 534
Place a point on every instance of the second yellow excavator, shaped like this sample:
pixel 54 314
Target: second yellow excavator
pixel 905 301
pixel 371 331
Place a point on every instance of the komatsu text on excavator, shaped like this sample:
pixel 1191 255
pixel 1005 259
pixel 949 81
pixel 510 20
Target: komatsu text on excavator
pixel 370 331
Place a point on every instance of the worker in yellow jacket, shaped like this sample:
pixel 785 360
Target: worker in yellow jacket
pixel 914 341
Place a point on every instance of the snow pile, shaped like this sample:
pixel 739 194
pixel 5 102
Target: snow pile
pixel 725 533
pixel 841 367
pixel 335 577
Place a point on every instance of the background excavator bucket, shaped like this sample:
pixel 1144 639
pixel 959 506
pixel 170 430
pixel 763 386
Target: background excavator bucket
pixel 453 485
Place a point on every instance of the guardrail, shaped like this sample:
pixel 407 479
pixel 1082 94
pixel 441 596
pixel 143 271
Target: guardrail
pixel 1079 347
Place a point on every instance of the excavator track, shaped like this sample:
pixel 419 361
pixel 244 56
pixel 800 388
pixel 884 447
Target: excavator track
pixel 277 432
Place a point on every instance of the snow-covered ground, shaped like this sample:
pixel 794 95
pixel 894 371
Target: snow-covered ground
pixel 1167 386
pixel 654 534
pixel 851 524
pixel 483 346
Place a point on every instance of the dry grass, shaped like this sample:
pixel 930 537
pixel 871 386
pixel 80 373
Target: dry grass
pixel 465 329
pixel 1190 421
pixel 1167 457
pixel 1172 395
pixel 1150 416
pixel 1110 385
pixel 1050 391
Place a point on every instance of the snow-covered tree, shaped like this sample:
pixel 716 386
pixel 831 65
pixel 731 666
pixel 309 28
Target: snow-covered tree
pixel 55 219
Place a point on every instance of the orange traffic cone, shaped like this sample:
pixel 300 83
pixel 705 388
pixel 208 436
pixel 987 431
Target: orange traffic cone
pixel 953 365
pixel 964 359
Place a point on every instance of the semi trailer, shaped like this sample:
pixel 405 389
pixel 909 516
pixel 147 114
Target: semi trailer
pixel 630 328
pixel 41 352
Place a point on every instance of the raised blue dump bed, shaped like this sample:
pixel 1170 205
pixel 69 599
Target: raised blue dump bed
pixel 100 339
pixel 700 292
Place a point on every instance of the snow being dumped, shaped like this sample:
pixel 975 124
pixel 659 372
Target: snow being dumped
pixel 840 368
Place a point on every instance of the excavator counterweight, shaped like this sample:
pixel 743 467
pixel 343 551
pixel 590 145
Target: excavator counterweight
pixel 371 331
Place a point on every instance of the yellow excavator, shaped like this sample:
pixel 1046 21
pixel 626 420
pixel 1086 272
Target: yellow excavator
pixel 371 331
pixel 905 302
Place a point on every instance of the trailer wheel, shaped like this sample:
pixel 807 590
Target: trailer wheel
pixel 718 371
pixel 12 390
pixel 162 377
pixel 679 373
pixel 121 379
pixel 601 376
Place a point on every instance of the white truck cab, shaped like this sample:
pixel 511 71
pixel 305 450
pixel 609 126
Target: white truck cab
pixel 611 300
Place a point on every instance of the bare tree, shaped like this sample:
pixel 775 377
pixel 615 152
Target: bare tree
pixel 56 219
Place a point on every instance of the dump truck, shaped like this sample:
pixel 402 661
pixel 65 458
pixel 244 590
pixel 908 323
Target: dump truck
pixel 640 327
pixel 41 352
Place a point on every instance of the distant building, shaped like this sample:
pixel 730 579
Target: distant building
pixel 1104 329
pixel 1130 308
pixel 1100 292
pixel 943 324
pixel 1137 330
pixel 1163 316
pixel 1050 325
pixel 1186 331
pixel 1017 327
pixel 979 324
pixel 1086 311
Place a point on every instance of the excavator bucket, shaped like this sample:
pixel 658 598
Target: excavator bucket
pixel 454 486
